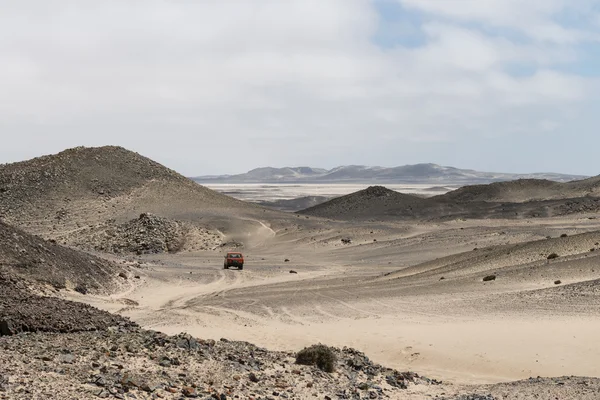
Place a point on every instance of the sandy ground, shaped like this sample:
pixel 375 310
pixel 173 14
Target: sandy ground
pixel 378 297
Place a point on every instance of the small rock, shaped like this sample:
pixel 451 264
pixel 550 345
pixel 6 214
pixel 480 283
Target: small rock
pixel 188 391
pixel 81 289
pixel 66 358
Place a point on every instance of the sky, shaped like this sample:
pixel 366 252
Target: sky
pixel 224 86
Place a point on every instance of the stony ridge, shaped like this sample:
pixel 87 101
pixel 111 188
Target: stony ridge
pixel 46 262
pixel 512 191
pixel 62 194
pixel 23 311
pixel 137 363
pixel 363 202
pixel 147 234
pixel 478 202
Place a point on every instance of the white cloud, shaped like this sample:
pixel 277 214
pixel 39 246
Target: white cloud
pixel 533 17
pixel 275 77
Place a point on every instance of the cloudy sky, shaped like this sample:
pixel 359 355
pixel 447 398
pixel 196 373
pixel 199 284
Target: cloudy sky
pixel 223 86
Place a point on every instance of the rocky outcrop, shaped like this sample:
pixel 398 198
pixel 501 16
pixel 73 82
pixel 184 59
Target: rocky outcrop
pixel 138 363
pixel 23 311
pixel 48 263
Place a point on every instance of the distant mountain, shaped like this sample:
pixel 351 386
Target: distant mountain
pixel 418 173
pixel 267 174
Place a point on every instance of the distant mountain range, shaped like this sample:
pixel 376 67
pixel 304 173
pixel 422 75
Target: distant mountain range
pixel 418 173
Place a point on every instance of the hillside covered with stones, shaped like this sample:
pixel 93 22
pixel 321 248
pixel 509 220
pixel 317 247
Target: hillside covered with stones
pixel 507 200
pixel 47 263
pixel 129 362
pixel 147 234
pixel 63 193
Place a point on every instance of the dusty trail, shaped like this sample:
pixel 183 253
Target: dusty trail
pixel 458 329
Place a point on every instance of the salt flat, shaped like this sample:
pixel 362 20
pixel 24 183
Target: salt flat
pixel 269 192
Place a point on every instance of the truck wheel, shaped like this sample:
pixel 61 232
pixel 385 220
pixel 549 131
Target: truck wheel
pixel 225 266
pixel 241 267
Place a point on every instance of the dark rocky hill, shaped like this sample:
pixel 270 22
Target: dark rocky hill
pixel 524 190
pixel 481 201
pixel 30 266
pixel 61 195
pixel 45 262
pixel 374 201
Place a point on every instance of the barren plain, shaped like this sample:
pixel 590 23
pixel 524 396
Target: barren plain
pixel 468 305
pixel 412 296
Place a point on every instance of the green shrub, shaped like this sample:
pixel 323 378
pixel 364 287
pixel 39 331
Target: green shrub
pixel 320 355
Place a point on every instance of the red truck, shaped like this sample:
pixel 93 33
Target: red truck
pixel 234 259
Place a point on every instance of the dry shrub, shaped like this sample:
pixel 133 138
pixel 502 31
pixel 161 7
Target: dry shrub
pixel 320 355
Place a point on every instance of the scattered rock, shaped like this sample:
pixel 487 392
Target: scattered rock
pixel 189 392
pixel 489 278
pixel 81 289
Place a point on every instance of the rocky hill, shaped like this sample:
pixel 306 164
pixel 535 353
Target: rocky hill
pixel 525 198
pixel 31 266
pixel 45 262
pixel 58 196
pixel 147 234
pixel 523 190
pixel 380 203
pixel 21 310
pixel 374 200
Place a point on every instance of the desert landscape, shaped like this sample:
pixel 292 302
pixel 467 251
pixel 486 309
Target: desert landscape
pixel 111 269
